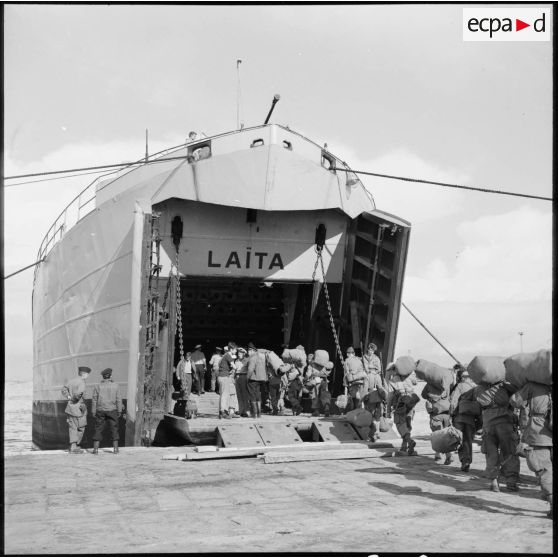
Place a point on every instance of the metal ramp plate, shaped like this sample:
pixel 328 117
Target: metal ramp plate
pixel 278 434
pixel 331 431
pixel 239 436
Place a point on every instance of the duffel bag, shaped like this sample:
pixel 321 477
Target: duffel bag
pixel 529 367
pixel 487 369
pixel 446 440
pixel 294 356
pixel 434 375
pixel 274 361
pixel 385 424
pixel 359 417
pixel 321 358
pixel 440 406
pixel 468 407
pixel 341 402
pixel 404 365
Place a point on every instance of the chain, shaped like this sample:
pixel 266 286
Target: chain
pixel 328 302
pixel 179 307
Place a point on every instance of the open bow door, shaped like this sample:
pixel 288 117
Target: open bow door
pixel 376 257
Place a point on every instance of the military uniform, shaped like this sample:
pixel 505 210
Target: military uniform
pixel 465 422
pixel 76 410
pixel 537 435
pixel 199 366
pixel 106 408
pixel 500 436
pixel 353 378
pixel 403 400
pixel 373 404
pixel 438 407
pixel 316 382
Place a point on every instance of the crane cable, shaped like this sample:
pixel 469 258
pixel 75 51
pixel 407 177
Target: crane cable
pixel 117 166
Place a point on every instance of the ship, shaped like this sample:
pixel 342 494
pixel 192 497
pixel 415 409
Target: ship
pixel 255 235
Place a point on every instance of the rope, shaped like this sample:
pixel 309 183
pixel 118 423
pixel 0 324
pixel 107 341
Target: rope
pixel 24 268
pixel 446 184
pixel 429 332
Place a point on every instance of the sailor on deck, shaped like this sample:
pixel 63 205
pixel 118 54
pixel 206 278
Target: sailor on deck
pixel 76 411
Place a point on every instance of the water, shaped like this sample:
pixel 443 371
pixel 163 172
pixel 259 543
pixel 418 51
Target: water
pixel 18 404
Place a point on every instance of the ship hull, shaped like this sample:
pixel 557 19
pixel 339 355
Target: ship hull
pixel 233 237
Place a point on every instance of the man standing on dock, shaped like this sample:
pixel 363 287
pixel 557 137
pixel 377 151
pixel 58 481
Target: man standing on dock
pixel 76 411
pixel 106 407
pixel 200 366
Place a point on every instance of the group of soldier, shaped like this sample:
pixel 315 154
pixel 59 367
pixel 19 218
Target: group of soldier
pixel 106 409
pixel 246 377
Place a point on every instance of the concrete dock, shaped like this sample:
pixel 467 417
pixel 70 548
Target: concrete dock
pixel 136 502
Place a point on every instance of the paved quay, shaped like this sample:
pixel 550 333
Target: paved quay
pixel 136 502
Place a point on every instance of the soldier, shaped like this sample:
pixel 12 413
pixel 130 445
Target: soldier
pixel 317 375
pixel 499 434
pixel 200 366
pixel 438 406
pixel 353 378
pixel 371 361
pixel 275 385
pixel 214 364
pixel 241 382
pixel 403 401
pixel 537 435
pixel 466 414
pixel 373 404
pixel 257 377
pixel 106 407
pixel 76 409
pixel 226 368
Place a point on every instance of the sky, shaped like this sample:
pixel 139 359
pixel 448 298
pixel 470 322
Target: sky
pixel 392 89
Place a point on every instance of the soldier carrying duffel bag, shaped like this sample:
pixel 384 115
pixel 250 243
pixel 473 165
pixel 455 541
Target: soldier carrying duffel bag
pixel 438 406
pixel 466 414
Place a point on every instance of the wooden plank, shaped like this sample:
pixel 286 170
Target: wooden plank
pixel 277 457
pixel 223 453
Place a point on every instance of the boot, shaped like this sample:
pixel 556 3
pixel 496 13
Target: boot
pixel 512 486
pixel 449 459
pixel 316 413
pixel 465 467
pixel 494 485
pixel 404 444
pixel 233 414
pixel 411 450
pixel 115 446
pixel 326 410
pixel 96 447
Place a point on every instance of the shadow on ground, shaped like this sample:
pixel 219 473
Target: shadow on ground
pixel 420 469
